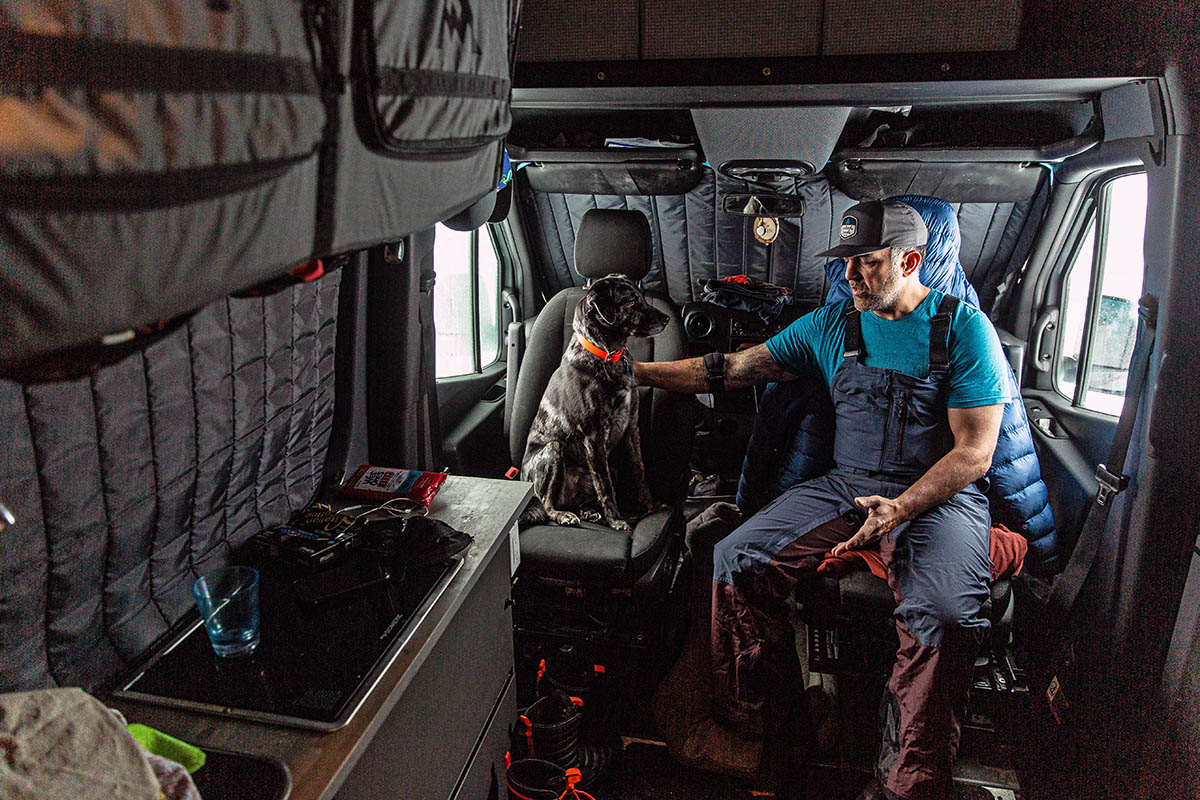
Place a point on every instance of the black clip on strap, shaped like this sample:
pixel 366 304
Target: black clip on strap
pixel 1110 483
pixel 852 336
pixel 939 335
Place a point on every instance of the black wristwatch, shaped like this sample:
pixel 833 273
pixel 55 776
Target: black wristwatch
pixel 714 364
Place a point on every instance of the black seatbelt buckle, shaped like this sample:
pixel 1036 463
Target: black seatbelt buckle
pixel 1110 483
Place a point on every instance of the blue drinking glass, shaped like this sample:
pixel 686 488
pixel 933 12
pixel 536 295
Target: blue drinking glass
pixel 228 602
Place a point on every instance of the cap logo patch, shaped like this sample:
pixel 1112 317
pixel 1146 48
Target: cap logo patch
pixel 849 227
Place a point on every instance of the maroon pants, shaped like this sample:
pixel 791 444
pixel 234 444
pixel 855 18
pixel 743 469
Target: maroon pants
pixel 942 568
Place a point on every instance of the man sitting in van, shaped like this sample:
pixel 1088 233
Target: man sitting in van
pixel 919 383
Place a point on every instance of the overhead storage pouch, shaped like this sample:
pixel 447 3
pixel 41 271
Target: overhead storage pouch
pixel 154 155
pixel 432 79
pixel 425 118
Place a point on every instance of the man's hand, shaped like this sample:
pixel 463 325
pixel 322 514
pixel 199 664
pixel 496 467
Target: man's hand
pixel 883 515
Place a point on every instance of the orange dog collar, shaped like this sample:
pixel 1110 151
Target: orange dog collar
pixel 600 352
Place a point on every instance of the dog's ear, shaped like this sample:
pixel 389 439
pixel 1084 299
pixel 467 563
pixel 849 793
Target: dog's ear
pixel 598 298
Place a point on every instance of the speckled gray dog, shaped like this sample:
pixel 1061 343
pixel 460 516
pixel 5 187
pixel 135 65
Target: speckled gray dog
pixel 589 408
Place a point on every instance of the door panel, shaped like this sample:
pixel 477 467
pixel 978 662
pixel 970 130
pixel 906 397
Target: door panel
pixel 1070 442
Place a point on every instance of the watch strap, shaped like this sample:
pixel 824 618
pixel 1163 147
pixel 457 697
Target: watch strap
pixel 714 366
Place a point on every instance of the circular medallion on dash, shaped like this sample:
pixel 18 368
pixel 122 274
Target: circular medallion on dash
pixel 766 229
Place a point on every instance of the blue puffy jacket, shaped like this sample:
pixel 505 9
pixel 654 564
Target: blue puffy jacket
pixel 793 434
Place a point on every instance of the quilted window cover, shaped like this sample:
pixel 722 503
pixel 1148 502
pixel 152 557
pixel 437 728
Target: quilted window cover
pixel 129 483
pixel 693 239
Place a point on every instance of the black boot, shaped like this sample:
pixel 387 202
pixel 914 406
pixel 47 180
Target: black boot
pixel 551 730
pixel 536 779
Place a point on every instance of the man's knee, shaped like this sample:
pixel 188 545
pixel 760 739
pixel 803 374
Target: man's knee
pixel 940 618
pixel 741 551
pixel 727 559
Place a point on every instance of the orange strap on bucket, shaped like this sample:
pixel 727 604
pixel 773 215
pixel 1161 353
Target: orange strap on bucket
pixel 528 732
pixel 574 776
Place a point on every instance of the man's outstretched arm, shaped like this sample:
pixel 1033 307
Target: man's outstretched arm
pixel 748 367
pixel 975 431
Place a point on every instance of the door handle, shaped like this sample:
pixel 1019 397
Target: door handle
pixel 509 298
pixel 1042 355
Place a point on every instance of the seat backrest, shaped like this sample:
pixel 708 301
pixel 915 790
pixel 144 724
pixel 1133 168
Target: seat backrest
pixel 610 240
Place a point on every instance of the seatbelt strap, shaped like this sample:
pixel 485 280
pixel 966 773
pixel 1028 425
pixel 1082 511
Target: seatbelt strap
pixel 939 335
pixel 1111 481
pixel 429 433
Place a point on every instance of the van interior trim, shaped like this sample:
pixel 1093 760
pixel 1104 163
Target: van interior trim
pixel 861 94
pixel 1053 151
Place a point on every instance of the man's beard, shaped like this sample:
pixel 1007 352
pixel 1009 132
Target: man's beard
pixel 886 296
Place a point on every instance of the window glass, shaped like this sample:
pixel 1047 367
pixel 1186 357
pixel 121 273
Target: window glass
pixel 453 315
pixel 465 287
pixel 1110 320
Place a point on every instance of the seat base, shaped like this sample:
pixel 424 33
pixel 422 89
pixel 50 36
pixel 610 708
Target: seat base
pixel 596 554
pixel 860 595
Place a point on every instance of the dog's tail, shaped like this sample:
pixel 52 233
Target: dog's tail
pixel 534 514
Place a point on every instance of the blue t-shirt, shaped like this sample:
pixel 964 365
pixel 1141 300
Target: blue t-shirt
pixel 812 345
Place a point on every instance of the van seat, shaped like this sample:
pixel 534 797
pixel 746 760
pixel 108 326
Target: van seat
pixel 609 240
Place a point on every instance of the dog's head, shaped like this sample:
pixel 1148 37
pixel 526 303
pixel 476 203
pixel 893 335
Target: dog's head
pixel 616 305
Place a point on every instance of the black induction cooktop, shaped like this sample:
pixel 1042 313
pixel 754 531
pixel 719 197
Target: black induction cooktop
pixel 314 665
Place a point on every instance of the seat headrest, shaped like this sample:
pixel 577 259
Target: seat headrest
pixel 613 240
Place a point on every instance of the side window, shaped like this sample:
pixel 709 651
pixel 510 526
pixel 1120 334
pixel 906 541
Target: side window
pixel 1100 299
pixel 466 301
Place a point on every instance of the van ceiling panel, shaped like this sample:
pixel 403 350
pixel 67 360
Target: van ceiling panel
pixel 579 30
pixel 591 30
pixel 692 239
pixel 127 484
pixel 859 27
pixel 686 29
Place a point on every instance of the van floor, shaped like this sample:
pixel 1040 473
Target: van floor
pixel 648 772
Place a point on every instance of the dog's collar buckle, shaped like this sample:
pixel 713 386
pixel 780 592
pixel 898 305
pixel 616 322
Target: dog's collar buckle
pixel 600 352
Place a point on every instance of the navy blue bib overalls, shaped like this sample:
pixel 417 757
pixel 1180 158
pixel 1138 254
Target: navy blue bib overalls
pixel 891 428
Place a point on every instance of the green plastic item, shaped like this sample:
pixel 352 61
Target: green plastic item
pixel 191 757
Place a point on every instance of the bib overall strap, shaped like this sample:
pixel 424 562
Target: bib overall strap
pixel 852 336
pixel 939 335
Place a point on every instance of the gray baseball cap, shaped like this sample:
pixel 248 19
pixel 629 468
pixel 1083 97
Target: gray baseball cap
pixel 875 224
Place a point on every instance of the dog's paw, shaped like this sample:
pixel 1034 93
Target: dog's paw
pixel 563 518
pixel 618 524
pixel 590 515
pixel 652 506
